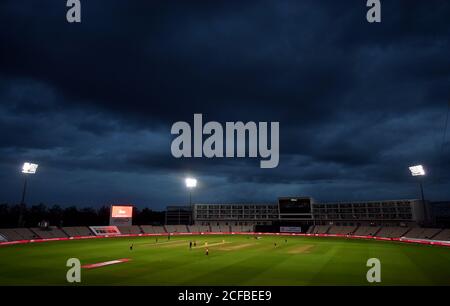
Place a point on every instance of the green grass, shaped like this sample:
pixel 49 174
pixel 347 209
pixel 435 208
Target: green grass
pixel 241 260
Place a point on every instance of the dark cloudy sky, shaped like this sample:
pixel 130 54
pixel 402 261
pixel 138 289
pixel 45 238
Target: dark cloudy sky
pixel 93 103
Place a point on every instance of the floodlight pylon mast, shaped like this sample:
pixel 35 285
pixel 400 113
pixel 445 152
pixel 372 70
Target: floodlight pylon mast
pixel 24 191
pixel 421 191
pixel 27 169
pixel 22 202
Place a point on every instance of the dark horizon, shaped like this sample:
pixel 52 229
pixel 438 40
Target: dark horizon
pixel 93 103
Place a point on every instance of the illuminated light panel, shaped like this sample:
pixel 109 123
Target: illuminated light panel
pixel 417 170
pixel 29 168
pixel 191 182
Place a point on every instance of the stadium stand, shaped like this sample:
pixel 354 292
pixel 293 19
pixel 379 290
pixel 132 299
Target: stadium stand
pixel 422 233
pixel 225 228
pixel 51 232
pixel 10 234
pixel 443 236
pixel 130 230
pixel 147 229
pixel 393 232
pixel 199 228
pixel 205 228
pixel 342 230
pixel 14 234
pixel 25 233
pixel 215 228
pixel 236 228
pixel 3 239
pixel 70 231
pixel 57 232
pixel 159 229
pixel 176 229
pixel 321 229
pixel 84 231
pixel 367 231
pixel 194 228
pixel 247 228
pixel 76 231
pixel 170 228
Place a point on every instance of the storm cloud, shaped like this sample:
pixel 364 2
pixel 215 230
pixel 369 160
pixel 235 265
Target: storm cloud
pixel 93 103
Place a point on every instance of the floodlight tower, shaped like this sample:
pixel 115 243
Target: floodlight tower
pixel 190 184
pixel 419 171
pixel 27 168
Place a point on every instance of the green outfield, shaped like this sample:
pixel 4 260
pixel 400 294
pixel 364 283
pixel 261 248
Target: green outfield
pixel 232 260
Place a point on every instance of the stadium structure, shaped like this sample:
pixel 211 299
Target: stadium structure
pixel 409 220
pixel 296 241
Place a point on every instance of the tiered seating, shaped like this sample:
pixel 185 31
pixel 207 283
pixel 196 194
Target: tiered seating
pixel 422 233
pixel 176 228
pixel 393 232
pixel 10 234
pixel 84 231
pixel 342 230
pixel 321 229
pixel 247 228
pixel 385 232
pixel 76 231
pixel 170 228
pixel 367 231
pixel 224 228
pixel 310 229
pixel 70 231
pixel 215 228
pixel 236 228
pixel 204 228
pixel 199 228
pixel 130 230
pixel 193 228
pixel 51 232
pixel 57 232
pixel 429 233
pixel 25 233
pixel 443 236
pixel 159 230
pixel 39 233
pixel 182 229
pixel 14 234
pixel 147 229
pixel 220 228
pixel 3 239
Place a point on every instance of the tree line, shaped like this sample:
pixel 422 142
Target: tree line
pixel 69 216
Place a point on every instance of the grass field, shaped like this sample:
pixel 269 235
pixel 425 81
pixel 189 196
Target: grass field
pixel 233 260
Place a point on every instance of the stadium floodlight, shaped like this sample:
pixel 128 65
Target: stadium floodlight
pixel 191 182
pixel 417 170
pixel 29 168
